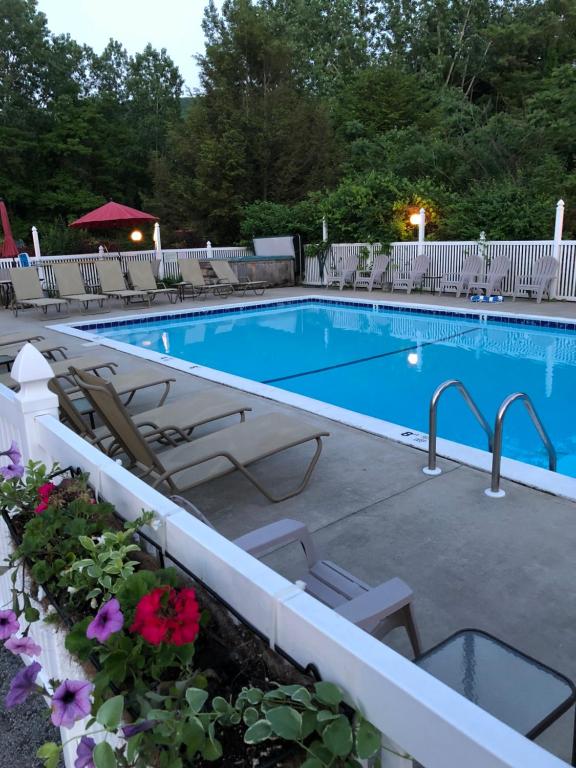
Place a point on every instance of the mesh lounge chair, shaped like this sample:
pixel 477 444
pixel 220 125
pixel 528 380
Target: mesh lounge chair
pixel 193 280
pixel 378 610
pixel 8 339
pixel 374 276
pixel 47 348
pixel 61 368
pixel 226 274
pixel 28 291
pixel 169 423
pixel 413 277
pixel 493 278
pixel 460 281
pixel 142 279
pixel 71 285
pixel 206 458
pixel 539 282
pixel 112 283
pixel 345 273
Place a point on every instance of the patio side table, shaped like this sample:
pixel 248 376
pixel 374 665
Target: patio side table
pixel 522 692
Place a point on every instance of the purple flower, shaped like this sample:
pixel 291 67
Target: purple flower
pixel 19 645
pixel 8 624
pixel 13 453
pixel 108 620
pixel 132 730
pixel 71 702
pixel 22 684
pixel 84 753
pixel 12 470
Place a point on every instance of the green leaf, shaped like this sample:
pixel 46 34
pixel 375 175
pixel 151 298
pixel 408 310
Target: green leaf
pixel 103 756
pixel 212 750
pixel 337 736
pixel 304 697
pixel 196 699
pixel 250 716
pixel 258 731
pixel 285 722
pixel 220 705
pixel 328 693
pixel 110 713
pixel 309 723
pixel 368 740
pixel 87 543
pixel 50 753
pixel 193 736
pixel 325 715
pixel 252 695
pixel 313 762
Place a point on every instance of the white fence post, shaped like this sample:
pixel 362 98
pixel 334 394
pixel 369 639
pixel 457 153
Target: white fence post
pixel 324 230
pixel 421 231
pixel 558 226
pixel 209 253
pixel 33 372
pixel 36 242
pixel 158 249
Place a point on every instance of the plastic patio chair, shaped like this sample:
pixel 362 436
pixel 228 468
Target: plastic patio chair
pixel 374 275
pixel 142 279
pixel 112 283
pixel 411 278
pixel 460 281
pixel 193 279
pixel 28 291
pixel 345 273
pixel 377 610
pixel 539 282
pixel 493 279
pixel 186 466
pixel 226 274
pixel 71 285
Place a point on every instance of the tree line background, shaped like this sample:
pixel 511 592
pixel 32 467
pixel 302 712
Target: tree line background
pixel 350 109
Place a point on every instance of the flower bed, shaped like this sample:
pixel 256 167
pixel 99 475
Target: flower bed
pixel 169 678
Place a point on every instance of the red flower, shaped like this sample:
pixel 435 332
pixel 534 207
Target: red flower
pixel 45 490
pixel 167 615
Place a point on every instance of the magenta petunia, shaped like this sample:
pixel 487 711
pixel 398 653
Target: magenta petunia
pixel 108 620
pixel 71 702
pixel 84 753
pixel 23 645
pixel 8 624
pixel 23 683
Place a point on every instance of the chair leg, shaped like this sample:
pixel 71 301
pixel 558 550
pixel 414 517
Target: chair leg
pixel 412 630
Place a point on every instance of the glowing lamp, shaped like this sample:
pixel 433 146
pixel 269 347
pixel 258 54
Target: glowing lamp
pixel 136 236
pixel 413 358
pixel 415 219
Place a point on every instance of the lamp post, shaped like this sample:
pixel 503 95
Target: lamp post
pixel 421 230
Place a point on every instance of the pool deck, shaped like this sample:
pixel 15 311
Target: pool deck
pixel 501 565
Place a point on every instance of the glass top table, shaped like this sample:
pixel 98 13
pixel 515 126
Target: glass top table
pixel 523 693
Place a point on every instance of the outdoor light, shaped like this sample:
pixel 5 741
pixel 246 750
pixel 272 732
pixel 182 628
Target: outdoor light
pixel 136 236
pixel 413 358
pixel 414 219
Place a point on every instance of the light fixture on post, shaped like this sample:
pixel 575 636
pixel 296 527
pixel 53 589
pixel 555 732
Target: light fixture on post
pixel 136 236
pixel 415 219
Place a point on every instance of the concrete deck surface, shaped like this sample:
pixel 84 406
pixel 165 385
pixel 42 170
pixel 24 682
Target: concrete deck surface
pixel 505 566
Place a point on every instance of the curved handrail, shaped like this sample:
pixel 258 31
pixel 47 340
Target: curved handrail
pixel 498 432
pixel 433 420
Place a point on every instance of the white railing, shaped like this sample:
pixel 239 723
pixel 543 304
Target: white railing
pixel 428 720
pixel 447 257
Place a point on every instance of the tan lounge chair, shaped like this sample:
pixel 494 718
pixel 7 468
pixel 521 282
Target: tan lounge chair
pixel 61 368
pixel 377 610
pixel 170 423
pixel 345 273
pixel 375 275
pixel 112 283
pixel 47 348
pixel 226 274
pixel 460 281
pixel 539 282
pixel 71 285
pixel 28 291
pixel 413 277
pixel 8 339
pixel 206 458
pixel 193 280
pixel 142 279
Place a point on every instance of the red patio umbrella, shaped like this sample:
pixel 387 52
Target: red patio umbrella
pixel 112 215
pixel 8 249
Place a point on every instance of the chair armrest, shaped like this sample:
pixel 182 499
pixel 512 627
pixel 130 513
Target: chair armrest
pixel 268 537
pixel 377 603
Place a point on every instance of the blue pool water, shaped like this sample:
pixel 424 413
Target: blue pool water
pixel 388 363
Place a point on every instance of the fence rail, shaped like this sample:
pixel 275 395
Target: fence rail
pixel 448 257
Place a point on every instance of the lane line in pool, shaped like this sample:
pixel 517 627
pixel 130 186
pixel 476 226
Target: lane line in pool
pixel 372 357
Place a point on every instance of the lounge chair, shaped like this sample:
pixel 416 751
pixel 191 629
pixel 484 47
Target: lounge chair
pixel 226 275
pixel 493 279
pixel 168 423
pixel 112 283
pixel 413 277
pixel 377 610
pixel 61 368
pixel 8 339
pixel 539 282
pixel 142 279
pixel 47 348
pixel 345 273
pixel 28 291
pixel 460 281
pixel 71 285
pixel 186 466
pixel 374 275
pixel 193 280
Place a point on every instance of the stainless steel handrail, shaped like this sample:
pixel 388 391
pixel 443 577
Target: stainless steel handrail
pixel 495 489
pixel 431 469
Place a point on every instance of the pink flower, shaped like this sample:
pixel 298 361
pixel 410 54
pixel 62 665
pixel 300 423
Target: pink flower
pixel 41 508
pixel 71 702
pixel 23 645
pixel 8 624
pixel 45 490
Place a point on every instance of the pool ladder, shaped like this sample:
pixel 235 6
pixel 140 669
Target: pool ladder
pixel 494 438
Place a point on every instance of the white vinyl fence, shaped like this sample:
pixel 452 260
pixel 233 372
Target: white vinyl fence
pixel 448 257
pixel 427 719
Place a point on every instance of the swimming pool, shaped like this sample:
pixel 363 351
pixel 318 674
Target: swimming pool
pixel 384 361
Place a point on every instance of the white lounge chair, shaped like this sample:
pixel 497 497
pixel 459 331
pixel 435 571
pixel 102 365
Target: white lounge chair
pixel 374 275
pixel 459 281
pixel 539 282
pixel 493 279
pixel 345 273
pixel 411 278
